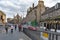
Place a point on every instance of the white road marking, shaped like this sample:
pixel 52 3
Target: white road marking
pixel 21 39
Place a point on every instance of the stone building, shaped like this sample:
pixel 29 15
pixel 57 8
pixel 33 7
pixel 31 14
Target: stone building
pixel 9 20
pixel 47 17
pixel 51 16
pixel 2 17
pixel 17 19
pixel 34 12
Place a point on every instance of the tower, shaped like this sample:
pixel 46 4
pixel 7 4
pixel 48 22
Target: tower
pixel 33 5
pixel 40 10
pixel 41 6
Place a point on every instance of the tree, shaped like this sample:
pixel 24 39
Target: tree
pixel 34 23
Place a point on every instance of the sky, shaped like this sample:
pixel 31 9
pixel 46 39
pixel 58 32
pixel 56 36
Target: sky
pixel 12 7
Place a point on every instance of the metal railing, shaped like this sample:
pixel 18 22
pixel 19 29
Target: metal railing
pixel 51 34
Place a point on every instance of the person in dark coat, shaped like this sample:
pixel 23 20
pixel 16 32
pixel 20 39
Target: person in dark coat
pixel 19 27
pixel 12 28
pixel 15 27
pixel 6 28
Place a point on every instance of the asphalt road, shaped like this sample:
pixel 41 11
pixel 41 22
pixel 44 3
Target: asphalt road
pixel 14 36
pixel 34 35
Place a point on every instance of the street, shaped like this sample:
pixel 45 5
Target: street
pixel 34 35
pixel 16 35
pixel 29 19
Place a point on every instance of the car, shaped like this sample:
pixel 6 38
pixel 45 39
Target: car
pixel 32 28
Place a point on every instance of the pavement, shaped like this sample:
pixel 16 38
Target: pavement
pixel 16 35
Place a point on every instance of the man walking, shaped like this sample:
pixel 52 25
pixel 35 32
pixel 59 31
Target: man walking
pixel 6 28
pixel 15 27
pixel 19 27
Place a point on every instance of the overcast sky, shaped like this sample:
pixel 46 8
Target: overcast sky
pixel 12 7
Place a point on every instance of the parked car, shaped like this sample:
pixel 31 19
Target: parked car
pixel 32 28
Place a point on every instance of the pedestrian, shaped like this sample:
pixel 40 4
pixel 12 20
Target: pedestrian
pixel 15 27
pixel 6 28
pixel 11 28
pixel 22 28
pixel 19 27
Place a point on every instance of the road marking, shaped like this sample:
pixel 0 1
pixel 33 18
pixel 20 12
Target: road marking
pixel 21 39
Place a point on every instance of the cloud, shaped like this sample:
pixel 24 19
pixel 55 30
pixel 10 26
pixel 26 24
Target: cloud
pixel 50 3
pixel 12 7
pixel 8 3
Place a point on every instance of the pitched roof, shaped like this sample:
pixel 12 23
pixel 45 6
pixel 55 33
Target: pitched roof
pixel 52 9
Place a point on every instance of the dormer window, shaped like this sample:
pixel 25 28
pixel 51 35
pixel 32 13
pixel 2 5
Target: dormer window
pixel 56 6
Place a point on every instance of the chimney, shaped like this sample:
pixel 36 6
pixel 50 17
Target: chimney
pixel 33 5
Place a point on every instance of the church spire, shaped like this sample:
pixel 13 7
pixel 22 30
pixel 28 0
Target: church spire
pixel 17 13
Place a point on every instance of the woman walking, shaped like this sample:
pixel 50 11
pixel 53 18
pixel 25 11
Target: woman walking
pixel 6 28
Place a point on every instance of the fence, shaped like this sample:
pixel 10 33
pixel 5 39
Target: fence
pixel 51 34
